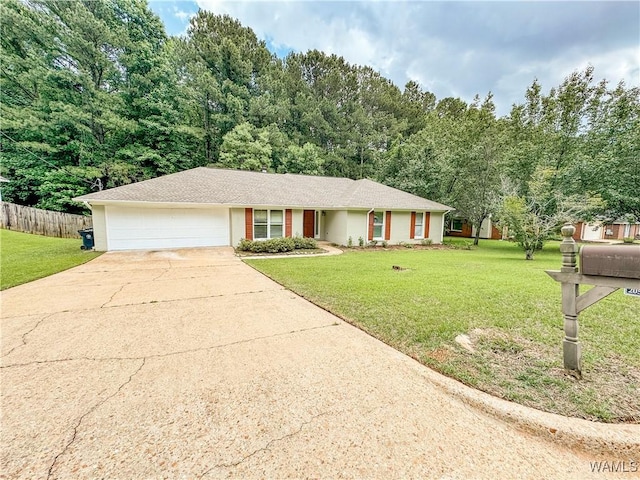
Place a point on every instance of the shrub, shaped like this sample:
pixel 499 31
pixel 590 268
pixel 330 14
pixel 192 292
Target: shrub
pixel 361 242
pixel 627 239
pixel 350 242
pixel 384 244
pixel 245 245
pixel 426 241
pixel 372 243
pixel 276 245
pixel 304 243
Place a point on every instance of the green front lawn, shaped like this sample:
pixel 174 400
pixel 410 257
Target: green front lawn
pixel 508 307
pixel 25 257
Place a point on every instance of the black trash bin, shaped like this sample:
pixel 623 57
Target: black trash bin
pixel 87 238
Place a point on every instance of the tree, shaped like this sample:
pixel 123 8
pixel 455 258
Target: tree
pixel 307 160
pixel 87 87
pixel 478 164
pixel 612 153
pixel 244 148
pixel 531 220
pixel 416 166
pixel 223 62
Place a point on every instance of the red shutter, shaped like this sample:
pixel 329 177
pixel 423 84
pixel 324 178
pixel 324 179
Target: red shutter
pixel 248 223
pixel 425 227
pixel 370 236
pixel 577 234
pixel 288 222
pixel 412 228
pixel 387 227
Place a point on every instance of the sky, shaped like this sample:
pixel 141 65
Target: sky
pixel 450 48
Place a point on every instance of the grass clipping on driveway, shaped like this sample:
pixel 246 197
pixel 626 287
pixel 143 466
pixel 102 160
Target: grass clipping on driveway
pixel 505 312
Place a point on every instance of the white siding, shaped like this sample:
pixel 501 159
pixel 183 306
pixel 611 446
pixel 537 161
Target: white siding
pixel 400 227
pixel 99 228
pixel 335 227
pixel 436 227
pixel 592 231
pixel 142 228
pixel 357 226
pixel 486 229
pixel 237 225
pixel 297 227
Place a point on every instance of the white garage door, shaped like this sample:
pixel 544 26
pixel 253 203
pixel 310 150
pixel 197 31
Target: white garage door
pixel 148 228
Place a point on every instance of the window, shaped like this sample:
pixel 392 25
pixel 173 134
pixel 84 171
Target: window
pixel 419 229
pixel 456 225
pixel 378 225
pixel 267 224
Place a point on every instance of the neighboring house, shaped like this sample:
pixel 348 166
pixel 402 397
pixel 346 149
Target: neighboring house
pixel 216 207
pixel 606 231
pixel 461 227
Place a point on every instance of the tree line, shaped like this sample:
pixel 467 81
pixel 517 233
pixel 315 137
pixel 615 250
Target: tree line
pixel 94 94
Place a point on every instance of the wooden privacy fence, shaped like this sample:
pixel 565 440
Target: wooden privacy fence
pixel 42 222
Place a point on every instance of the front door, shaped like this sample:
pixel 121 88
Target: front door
pixel 308 223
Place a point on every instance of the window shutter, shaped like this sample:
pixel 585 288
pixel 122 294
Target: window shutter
pixel 387 226
pixel 370 235
pixel 248 223
pixel 288 222
pixel 412 229
pixel 425 227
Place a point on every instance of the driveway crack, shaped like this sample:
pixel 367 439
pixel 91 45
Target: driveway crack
pixel 199 297
pixel 24 335
pixel 165 270
pixel 170 354
pixel 266 447
pixel 88 412
pixel 114 294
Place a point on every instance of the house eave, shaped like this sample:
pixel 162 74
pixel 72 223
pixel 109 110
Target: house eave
pixel 179 204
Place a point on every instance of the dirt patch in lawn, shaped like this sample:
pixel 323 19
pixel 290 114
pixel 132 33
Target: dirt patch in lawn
pixel 532 374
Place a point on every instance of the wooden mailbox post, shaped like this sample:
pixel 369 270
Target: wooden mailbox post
pixel 607 267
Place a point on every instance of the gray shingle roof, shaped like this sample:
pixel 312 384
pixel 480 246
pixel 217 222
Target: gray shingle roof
pixel 242 188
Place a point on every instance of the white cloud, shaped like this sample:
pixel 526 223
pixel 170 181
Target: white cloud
pixel 458 48
pixel 181 14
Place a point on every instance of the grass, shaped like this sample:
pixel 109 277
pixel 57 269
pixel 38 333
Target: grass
pixel 508 307
pixel 25 257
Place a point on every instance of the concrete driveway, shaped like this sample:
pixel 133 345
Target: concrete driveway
pixel 190 364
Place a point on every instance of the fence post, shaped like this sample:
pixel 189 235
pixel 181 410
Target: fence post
pixel 571 348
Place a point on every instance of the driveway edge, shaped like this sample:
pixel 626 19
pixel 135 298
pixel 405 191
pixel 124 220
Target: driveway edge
pixel 615 441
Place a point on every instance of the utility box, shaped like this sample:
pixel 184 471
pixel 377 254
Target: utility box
pixel 622 261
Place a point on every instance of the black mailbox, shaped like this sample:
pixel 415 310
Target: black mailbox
pixel 622 261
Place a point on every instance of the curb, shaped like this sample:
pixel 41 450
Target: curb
pixel 615 441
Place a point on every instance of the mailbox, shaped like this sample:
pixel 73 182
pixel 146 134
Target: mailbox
pixel 622 261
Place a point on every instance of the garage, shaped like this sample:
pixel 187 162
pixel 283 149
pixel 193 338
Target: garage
pixel 137 228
